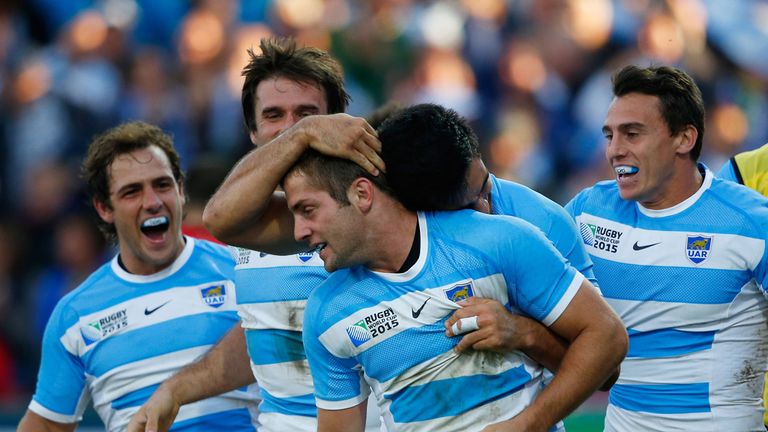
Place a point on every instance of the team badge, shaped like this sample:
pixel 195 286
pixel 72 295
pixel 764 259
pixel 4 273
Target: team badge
pixel 305 256
pixel 214 296
pixel 697 248
pixel 460 292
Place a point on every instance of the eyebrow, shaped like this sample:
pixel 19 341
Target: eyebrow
pixel 625 126
pixel 303 107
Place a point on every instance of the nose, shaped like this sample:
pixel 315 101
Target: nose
pixel 152 201
pixel 301 231
pixel 614 149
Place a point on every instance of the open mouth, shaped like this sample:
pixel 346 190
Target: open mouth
pixel 155 227
pixel 320 246
pixel 623 171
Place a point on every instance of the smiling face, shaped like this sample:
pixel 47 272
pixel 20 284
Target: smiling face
pixel 281 102
pixel 333 230
pixel 647 159
pixel 145 206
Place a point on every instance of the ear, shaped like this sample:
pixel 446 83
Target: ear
pixel 686 140
pixel 253 135
pixel 104 210
pixel 361 193
pixel 182 195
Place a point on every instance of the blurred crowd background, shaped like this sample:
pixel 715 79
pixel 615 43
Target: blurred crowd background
pixel 532 76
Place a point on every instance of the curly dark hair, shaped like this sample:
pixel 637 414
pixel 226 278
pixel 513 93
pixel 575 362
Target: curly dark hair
pixel 428 150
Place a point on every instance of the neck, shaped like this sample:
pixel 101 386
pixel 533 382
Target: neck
pixel 681 186
pixel 393 239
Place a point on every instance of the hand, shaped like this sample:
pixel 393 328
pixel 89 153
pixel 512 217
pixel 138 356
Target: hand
pixel 515 424
pixel 344 136
pixel 499 330
pixel 157 414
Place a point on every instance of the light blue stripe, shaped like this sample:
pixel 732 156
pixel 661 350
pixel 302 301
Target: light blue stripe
pixel 667 343
pixel 277 283
pixel 451 397
pixel 134 398
pixel 410 348
pixel 303 405
pixel 661 398
pixel 272 346
pixel 238 420
pixel 671 284
pixel 162 338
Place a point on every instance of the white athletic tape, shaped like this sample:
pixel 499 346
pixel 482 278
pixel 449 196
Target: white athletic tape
pixel 467 325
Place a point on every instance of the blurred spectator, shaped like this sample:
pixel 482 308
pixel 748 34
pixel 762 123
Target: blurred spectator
pixel 79 248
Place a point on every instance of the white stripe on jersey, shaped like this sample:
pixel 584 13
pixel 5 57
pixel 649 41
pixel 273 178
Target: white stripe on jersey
pixel 491 286
pixel 280 315
pixel 733 252
pixel 179 304
pixel 284 380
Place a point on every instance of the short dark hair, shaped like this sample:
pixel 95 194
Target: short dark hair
pixel 333 175
pixel 119 140
pixel 280 57
pixel 428 150
pixel 680 99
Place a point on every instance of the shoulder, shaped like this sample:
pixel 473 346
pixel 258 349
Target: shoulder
pixel 603 195
pixel 83 298
pixel 739 204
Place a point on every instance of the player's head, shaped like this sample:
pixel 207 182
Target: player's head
pixel 679 99
pixel 433 159
pixel 332 201
pixel 653 129
pixel 284 83
pixel 135 179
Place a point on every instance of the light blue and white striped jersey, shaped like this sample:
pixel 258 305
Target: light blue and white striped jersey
pixel 117 336
pixel 387 330
pixel 513 199
pixel 689 283
pixel 272 292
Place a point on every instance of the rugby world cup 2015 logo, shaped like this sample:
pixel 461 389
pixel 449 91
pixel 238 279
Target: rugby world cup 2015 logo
pixel 214 296
pixel 91 333
pixel 359 333
pixel 697 248
pixel 588 233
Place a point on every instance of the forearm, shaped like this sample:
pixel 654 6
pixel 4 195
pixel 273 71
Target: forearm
pixel 346 420
pixel 589 361
pixel 243 211
pixel 224 368
pixel 543 345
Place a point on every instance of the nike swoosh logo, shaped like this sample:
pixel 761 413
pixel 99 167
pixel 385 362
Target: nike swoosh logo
pixel 417 312
pixel 637 247
pixel 151 311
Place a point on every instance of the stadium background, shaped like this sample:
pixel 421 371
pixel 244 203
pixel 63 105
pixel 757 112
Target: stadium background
pixel 533 77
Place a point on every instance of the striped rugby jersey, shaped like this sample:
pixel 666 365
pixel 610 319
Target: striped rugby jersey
pixel 689 283
pixel 513 199
pixel 272 291
pixel 386 330
pixel 116 337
